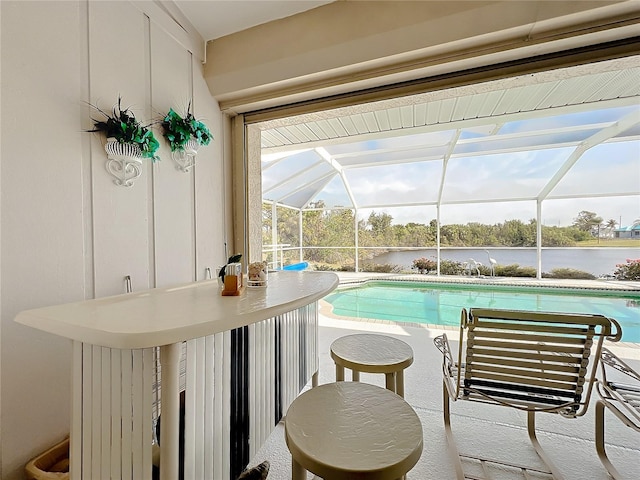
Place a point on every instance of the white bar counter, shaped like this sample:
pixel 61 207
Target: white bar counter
pixel 164 318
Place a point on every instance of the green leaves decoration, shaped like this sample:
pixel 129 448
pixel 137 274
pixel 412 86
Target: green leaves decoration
pixel 178 130
pixel 123 126
pixel 232 259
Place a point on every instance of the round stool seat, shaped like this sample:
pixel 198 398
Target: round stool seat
pixel 373 353
pixel 347 430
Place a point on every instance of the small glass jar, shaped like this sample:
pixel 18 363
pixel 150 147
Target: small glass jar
pixel 257 274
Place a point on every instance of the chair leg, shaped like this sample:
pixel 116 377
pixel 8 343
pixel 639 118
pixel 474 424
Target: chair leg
pixel 453 449
pixel 531 427
pixel 297 471
pixel 390 381
pixel 600 442
pixel 400 383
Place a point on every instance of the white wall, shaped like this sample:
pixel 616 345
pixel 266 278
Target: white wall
pixel 67 232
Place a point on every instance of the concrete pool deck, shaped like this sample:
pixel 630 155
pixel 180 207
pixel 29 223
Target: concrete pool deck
pixel 347 278
pixel 480 429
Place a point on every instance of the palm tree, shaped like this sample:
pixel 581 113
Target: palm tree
pixel 611 226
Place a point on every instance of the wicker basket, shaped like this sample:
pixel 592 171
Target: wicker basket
pixel 50 465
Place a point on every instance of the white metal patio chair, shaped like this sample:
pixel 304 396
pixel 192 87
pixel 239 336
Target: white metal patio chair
pixel 530 361
pixel 623 399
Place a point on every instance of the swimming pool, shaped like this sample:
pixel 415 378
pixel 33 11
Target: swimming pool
pixel 440 304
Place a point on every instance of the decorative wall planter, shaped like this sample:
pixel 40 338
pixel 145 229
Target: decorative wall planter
pixel 124 162
pixel 185 158
pixel 185 135
pixel 128 142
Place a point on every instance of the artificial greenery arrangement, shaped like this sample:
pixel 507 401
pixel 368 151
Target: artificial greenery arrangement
pixel 123 126
pixel 178 130
pixel 232 259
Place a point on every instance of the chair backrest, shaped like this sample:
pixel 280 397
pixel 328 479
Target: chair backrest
pixel 539 361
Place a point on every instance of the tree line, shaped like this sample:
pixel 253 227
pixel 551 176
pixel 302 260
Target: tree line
pixel 336 228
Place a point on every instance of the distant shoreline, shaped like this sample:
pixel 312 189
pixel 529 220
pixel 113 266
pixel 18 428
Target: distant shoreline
pixel 596 260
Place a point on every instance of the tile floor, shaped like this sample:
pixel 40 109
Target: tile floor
pixel 479 428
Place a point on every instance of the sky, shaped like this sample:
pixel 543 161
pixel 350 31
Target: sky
pixel 500 171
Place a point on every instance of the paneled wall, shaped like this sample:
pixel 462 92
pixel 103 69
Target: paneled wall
pixel 69 233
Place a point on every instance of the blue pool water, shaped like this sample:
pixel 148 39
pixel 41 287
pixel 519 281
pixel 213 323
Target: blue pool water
pixel 440 304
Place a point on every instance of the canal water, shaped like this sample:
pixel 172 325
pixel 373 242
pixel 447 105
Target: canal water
pixel 598 261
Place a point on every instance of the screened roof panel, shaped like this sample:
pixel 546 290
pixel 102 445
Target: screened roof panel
pixel 334 194
pixel 501 177
pixel 398 184
pixel 402 142
pixel 524 142
pixel 300 198
pixel 608 169
pixel 296 182
pixel 560 134
pixel 399 156
pixel 574 120
pixel 632 133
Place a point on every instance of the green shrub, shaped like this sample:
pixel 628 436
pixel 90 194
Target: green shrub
pixel 515 270
pixel 384 268
pixel 450 267
pixel 568 273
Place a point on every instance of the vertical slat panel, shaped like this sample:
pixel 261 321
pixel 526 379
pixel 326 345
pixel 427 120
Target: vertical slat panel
pixel 265 395
pixel 126 366
pixel 277 372
pixel 312 332
pixel 136 437
pixel 116 415
pixel 240 425
pixel 87 410
pixel 270 379
pixel 288 347
pixel 191 379
pixel 96 412
pixel 219 412
pixel 77 405
pixel 156 386
pixel 295 384
pixel 291 347
pixel 316 334
pixel 115 392
pixel 226 406
pixel 259 391
pixel 147 406
pixel 253 391
pixel 284 363
pixel 209 408
pixel 201 367
pixel 105 420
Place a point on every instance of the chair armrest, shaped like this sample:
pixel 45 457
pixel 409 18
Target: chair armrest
pixel 622 398
pixel 450 371
pixel 617 336
pixel 611 360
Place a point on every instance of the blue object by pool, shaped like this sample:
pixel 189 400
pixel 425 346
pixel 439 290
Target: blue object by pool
pixel 440 304
pixel 296 266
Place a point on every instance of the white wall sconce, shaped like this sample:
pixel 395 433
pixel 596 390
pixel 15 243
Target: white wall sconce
pixel 185 157
pixel 124 162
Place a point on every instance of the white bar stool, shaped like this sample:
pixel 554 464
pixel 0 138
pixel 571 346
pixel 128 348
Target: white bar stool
pixel 372 353
pixel 346 430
